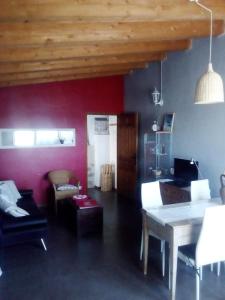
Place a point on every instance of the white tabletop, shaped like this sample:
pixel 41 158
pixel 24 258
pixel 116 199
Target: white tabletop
pixel 180 212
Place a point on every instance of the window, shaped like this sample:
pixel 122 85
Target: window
pixel 23 138
pixel 33 138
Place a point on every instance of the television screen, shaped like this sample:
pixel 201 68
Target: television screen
pixel 185 169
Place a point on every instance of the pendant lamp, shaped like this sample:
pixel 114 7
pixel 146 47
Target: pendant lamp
pixel 209 89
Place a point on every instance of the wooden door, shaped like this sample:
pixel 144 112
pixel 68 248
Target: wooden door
pixel 127 142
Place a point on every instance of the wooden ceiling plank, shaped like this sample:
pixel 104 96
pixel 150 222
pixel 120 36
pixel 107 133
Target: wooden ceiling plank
pixel 60 79
pixel 88 50
pixel 67 72
pixel 89 10
pixel 78 63
pixel 48 33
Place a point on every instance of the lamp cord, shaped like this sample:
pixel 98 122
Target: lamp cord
pixel 200 173
pixel 211 28
pixel 161 81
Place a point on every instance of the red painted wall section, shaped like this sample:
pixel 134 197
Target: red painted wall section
pixel 54 105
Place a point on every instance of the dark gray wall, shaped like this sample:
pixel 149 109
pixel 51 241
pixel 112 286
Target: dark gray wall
pixel 199 130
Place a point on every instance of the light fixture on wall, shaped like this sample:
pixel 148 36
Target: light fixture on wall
pixel 156 95
pixel 209 88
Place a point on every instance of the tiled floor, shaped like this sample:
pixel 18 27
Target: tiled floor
pixel 97 267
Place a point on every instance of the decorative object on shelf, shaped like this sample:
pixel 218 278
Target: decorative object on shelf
pixel 156 95
pixel 171 171
pixel 209 89
pixel 157 172
pixel 155 126
pixel 168 122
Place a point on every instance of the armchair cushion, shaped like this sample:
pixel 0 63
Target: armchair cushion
pixel 65 187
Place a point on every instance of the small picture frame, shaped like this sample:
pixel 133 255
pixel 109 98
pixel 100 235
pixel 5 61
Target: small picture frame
pixel 168 122
pixel 101 126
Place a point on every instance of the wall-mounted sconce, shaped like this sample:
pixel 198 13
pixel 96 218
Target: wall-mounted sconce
pixel 156 95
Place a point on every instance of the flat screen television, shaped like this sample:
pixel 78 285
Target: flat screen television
pixel 185 170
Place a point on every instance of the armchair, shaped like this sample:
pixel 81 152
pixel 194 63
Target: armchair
pixel 61 182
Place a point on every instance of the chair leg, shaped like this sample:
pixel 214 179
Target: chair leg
pixel 56 208
pixel 163 257
pixel 169 278
pixel 0 272
pixel 43 244
pixel 141 250
pixel 197 277
pixel 218 269
pixel 200 273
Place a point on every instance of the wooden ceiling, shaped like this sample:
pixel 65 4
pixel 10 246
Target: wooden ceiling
pixel 57 40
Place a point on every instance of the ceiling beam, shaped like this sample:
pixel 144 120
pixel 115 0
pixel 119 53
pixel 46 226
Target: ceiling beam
pixel 111 10
pixel 61 78
pixel 50 33
pixel 26 54
pixel 80 62
pixel 70 72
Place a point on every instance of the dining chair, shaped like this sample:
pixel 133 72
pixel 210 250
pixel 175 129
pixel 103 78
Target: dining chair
pixel 151 197
pixel 200 190
pixel 210 247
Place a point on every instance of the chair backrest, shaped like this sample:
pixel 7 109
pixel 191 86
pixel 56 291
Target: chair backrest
pixel 150 194
pixel 200 190
pixel 211 243
pixel 60 176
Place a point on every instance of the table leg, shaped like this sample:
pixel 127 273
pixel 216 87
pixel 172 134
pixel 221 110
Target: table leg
pixel 145 240
pixel 173 267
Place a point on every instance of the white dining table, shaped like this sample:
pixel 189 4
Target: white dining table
pixel 179 225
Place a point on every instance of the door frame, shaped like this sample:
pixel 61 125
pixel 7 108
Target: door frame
pixel 99 114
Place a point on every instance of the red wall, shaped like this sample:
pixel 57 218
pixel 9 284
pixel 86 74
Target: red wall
pixel 53 105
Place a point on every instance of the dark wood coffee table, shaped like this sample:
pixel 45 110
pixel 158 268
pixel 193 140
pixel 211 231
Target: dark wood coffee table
pixel 85 220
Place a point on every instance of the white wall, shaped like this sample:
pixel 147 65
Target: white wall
pixel 101 144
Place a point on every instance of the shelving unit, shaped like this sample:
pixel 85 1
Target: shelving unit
pixel 157 154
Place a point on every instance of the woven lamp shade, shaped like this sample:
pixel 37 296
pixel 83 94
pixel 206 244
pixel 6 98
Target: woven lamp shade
pixel 209 89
